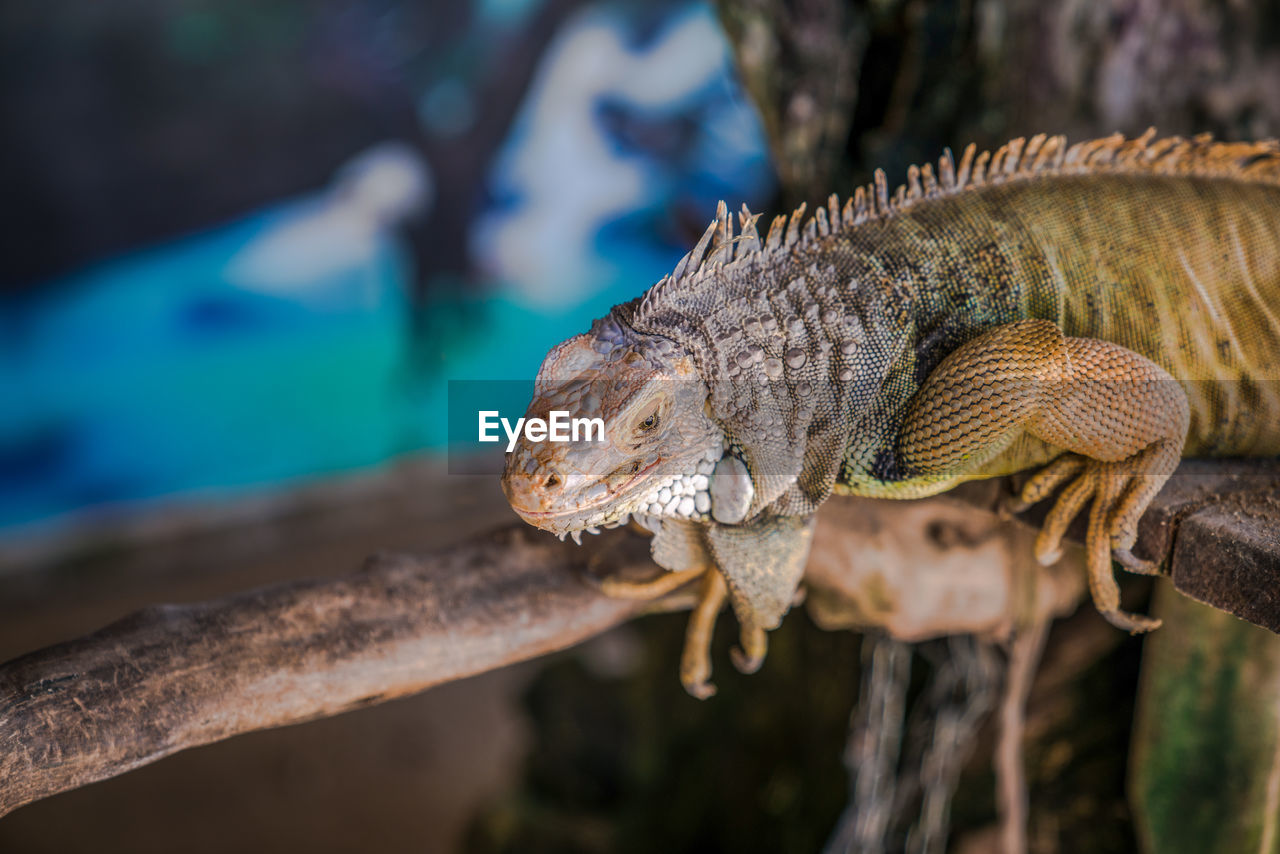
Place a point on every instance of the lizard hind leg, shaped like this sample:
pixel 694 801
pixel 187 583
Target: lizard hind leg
pixel 1126 420
pixel 1120 417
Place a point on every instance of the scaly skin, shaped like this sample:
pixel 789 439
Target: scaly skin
pixel 1102 309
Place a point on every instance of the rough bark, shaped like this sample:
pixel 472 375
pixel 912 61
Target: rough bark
pixel 846 86
pixel 178 676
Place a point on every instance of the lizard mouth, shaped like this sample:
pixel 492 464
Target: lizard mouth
pixel 684 495
pixel 540 518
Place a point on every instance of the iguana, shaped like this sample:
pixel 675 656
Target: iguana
pixel 1100 310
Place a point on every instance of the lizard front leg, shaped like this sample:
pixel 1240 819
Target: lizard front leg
pixel 684 550
pixel 1120 417
pixel 695 660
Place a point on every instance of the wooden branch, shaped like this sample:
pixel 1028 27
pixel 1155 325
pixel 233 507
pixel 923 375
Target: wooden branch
pixel 178 676
pixel 173 677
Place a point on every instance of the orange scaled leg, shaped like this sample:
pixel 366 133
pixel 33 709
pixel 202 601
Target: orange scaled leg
pixel 1120 418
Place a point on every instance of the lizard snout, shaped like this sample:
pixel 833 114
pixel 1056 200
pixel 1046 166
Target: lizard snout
pixel 533 493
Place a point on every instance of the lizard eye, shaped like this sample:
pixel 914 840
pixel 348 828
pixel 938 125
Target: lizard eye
pixel 650 423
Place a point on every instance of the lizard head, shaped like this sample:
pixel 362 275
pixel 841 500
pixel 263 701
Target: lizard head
pixel 654 455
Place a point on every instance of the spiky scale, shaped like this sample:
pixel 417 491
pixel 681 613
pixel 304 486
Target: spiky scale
pixel 930 183
pixel 881 193
pixel 721 245
pixel 777 228
pixel 914 191
pixel 966 166
pixel 947 171
pixel 1032 149
pixel 979 174
pixel 995 166
pixel 696 255
pixel 747 222
pixel 793 226
pixel 1014 161
pixel 1047 153
pixel 859 206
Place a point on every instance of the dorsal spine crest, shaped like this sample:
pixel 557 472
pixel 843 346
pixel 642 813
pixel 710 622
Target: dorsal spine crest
pixel 1042 156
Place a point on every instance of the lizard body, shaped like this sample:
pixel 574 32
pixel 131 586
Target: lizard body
pixel 1102 309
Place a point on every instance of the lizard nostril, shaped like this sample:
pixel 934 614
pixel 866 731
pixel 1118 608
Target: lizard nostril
pixel 624 471
pixel 552 481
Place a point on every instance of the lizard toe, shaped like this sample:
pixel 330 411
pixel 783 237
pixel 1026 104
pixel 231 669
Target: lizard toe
pixel 695 661
pixel 1135 564
pixel 1134 624
pixel 748 657
pixel 744 663
pixel 1049 478
pixel 699 689
pixel 1048 546
pixel 619 587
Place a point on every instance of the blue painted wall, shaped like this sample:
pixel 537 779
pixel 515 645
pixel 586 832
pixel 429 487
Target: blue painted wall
pixel 281 346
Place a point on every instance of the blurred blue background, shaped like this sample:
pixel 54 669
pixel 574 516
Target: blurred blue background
pixel 249 245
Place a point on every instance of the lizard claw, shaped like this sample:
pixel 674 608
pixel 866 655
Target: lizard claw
pixel 699 689
pixel 745 664
pixel 695 670
pixel 1048 548
pixel 1010 506
pixel 1134 624
pixel 1135 564
pixel 748 657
